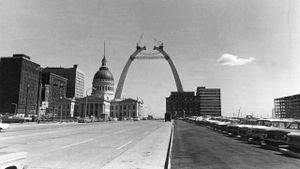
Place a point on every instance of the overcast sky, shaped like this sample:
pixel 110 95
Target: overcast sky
pixel 249 49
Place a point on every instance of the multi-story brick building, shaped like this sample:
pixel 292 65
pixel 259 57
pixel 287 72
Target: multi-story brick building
pixel 75 86
pixel 287 107
pixel 19 85
pixel 181 104
pixel 206 102
pixel 53 94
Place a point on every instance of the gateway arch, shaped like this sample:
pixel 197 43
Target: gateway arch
pixel 134 56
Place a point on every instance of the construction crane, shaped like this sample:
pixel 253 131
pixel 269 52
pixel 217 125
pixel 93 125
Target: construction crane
pixel 159 43
pixel 140 40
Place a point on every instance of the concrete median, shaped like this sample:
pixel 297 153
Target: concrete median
pixel 149 153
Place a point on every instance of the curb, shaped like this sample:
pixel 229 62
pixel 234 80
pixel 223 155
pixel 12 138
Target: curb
pixel 169 153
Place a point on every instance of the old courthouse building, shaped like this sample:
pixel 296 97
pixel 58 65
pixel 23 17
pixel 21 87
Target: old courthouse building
pixel 101 102
pixel 98 104
pixel 19 85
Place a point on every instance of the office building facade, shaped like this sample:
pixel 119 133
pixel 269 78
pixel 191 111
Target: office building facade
pixel 75 77
pixel 53 94
pixel 207 101
pixel 287 107
pixel 19 85
pixel 181 104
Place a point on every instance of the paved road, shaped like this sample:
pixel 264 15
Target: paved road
pixel 75 145
pixel 198 147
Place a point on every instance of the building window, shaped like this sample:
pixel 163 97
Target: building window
pixel 133 107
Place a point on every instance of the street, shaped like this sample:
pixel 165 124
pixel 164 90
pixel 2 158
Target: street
pixel 198 147
pixel 75 145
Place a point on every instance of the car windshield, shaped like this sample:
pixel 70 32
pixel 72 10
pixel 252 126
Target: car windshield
pixel 267 123
pixel 293 126
pixel 260 122
pixel 281 125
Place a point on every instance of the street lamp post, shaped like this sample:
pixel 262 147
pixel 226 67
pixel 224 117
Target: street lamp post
pixel 86 95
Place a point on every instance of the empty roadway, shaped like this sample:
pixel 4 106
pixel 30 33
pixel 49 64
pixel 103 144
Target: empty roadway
pixel 75 145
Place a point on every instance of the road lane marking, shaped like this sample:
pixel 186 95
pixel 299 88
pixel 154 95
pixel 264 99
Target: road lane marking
pixel 75 144
pixel 118 132
pixel 124 144
pixel 147 132
pixel 27 135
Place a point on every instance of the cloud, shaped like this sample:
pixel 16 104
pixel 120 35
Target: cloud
pixel 232 60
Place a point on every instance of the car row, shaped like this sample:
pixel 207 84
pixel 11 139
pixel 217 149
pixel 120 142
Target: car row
pixel 277 134
pixel 95 119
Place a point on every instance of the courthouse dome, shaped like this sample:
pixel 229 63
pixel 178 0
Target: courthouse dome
pixel 103 73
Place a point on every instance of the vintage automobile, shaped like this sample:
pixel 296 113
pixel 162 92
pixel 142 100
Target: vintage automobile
pixel 136 118
pixel 244 127
pixel 277 136
pixel 10 160
pixel 223 126
pixel 211 123
pixel 202 120
pixel 233 128
pixel 84 120
pixel 293 144
pixel 257 133
pixel 3 126
pixel 191 118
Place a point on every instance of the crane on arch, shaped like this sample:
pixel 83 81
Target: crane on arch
pixel 134 56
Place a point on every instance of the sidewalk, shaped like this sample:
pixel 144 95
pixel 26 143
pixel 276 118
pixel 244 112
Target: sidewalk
pixel 26 124
pixel 149 153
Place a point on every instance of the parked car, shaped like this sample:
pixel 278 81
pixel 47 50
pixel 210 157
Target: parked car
pixel 84 120
pixel 10 160
pixel 293 144
pixel 277 136
pixel 136 119
pixel 3 126
pixel 223 124
pixel 244 127
pixel 259 132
